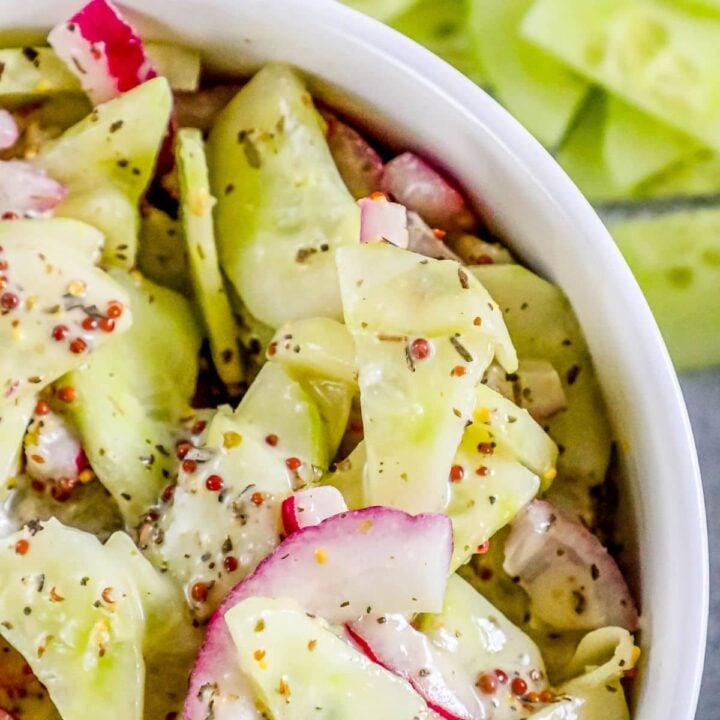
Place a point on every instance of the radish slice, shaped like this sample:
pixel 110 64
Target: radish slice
pixel 572 580
pixel 382 220
pixel 412 182
pixel 372 560
pixel 27 190
pixel 311 507
pixel 53 450
pixel 9 132
pixel 392 642
pixel 102 50
pixel 422 239
pixel 5 715
pixel 357 162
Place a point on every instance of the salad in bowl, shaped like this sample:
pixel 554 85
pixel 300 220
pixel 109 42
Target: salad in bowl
pixel 285 433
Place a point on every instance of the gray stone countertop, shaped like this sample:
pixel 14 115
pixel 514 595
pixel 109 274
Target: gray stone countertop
pixel 702 393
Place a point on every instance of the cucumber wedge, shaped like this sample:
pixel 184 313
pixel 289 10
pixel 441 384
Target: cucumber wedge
pixel 637 146
pixel 698 175
pixel 162 255
pixel 541 92
pixel 425 332
pixel 347 477
pixel 14 419
pixel 180 65
pixel 30 357
pixel 680 286
pixel 309 672
pixel 443 29
pixel 654 56
pixel 106 161
pixel 543 326
pixel 196 205
pixel 282 207
pixel 71 610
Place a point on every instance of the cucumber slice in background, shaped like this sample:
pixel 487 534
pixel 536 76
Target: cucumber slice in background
pixel 106 161
pixel 69 607
pixel 543 325
pixel 308 671
pixel 196 205
pixel 30 357
pixel 132 396
pixel 381 9
pixel 414 406
pixel 180 65
pixel 541 92
pixel 282 207
pixel 698 175
pixel 442 28
pixel 162 254
pixel 637 146
pixel 676 259
pixel 656 57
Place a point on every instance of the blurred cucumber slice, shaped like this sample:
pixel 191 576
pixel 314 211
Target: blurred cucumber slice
pixel 382 9
pixel 698 175
pixel 442 28
pixel 637 146
pixel 676 260
pixel 162 255
pixel 541 92
pixel 658 58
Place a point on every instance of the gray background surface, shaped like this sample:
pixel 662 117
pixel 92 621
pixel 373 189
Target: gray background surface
pixel 702 393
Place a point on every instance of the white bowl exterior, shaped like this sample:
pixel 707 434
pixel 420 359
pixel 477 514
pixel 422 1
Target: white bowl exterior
pixel 409 96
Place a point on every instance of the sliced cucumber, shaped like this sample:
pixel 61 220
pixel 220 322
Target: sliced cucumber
pixel 106 161
pixel 307 671
pixel 196 212
pixel 543 326
pixel 131 395
pixel 425 332
pixel 334 402
pixel 381 9
pixel 239 518
pixel 282 206
pixel 70 609
pixel 656 57
pixel 276 405
pixel 14 419
pixel 348 476
pixel 442 27
pixel 676 260
pixel 162 255
pixel 637 146
pixel 698 175
pixel 180 65
pixel 30 357
pixel 541 92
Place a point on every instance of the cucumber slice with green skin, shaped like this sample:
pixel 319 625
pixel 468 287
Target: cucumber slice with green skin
pixel 282 206
pixel 638 147
pixel 130 395
pixel 106 161
pixel 656 57
pixel 316 346
pixel 698 175
pixel 679 286
pixel 162 254
pixel 543 326
pixel 487 492
pixel 307 671
pixel 14 419
pixel 35 73
pixel 277 405
pixel 482 639
pixel 69 607
pixel 541 92
pixel 31 358
pixel 425 332
pixel 240 518
pixel 333 400
pixel 196 205
pixel 442 28
pixel 381 9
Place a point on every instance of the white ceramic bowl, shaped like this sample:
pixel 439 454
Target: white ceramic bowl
pixel 406 94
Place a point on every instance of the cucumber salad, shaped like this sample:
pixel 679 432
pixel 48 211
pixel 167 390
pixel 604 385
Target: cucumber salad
pixel 284 432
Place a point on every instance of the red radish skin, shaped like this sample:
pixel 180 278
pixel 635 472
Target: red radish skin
pixel 9 132
pixel 358 163
pixel 413 182
pixel 5 715
pixel 102 50
pixel 311 507
pixel 572 580
pixel 371 560
pixel 381 220
pixel 26 190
